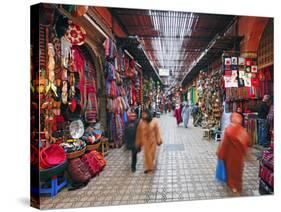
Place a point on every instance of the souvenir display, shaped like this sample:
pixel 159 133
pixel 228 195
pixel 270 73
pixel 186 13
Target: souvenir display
pixel 266 172
pixel 210 99
pixel 68 101
pixel 122 90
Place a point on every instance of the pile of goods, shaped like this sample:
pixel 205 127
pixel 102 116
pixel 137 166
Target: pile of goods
pixel 92 136
pixel 210 99
pixel 73 145
pixel 266 172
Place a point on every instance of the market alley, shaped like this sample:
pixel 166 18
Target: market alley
pixel 185 171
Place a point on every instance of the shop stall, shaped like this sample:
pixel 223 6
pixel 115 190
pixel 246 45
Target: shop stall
pixel 64 92
pixel 123 89
pixel 210 101
pixel 245 86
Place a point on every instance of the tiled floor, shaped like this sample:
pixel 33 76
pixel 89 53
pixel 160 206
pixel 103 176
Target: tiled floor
pixel 185 171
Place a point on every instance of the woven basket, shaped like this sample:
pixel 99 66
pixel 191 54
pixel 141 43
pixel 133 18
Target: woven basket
pixel 76 154
pixel 90 147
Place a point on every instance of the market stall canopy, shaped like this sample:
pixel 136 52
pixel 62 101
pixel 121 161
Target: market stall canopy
pixel 172 40
pixel 132 45
pixel 213 52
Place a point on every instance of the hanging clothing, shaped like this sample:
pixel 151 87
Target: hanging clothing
pixel 91 109
pixel 119 134
pixel 185 115
pixel 110 49
pixel 148 136
pixel 78 60
pixel 252 129
pixel 90 99
pixel 232 151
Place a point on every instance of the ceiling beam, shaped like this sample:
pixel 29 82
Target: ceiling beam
pixel 201 38
pixel 151 27
pixel 120 23
pixel 136 12
pixel 196 49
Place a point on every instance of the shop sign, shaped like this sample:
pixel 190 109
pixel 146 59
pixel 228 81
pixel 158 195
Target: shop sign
pixel 164 72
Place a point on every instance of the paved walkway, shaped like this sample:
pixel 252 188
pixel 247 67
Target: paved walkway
pixel 185 171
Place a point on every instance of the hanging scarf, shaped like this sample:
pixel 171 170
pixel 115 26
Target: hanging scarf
pixel 119 130
pixel 106 47
pixel 65 51
pixel 109 71
pixel 52 86
pixel 78 59
pixel 91 110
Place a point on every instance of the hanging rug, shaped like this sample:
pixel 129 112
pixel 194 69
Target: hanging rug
pixel 75 34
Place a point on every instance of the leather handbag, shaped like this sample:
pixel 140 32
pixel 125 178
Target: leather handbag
pixel 78 171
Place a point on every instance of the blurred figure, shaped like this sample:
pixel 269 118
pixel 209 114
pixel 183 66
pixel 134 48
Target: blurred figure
pixel 262 122
pixel 130 137
pixel 232 150
pixel 270 121
pixel 239 110
pixel 153 109
pixel 178 114
pixel 169 106
pixel 181 105
pixel 165 107
pixel 185 114
pixel 173 106
pixel 148 136
pixel 194 113
pixel 138 110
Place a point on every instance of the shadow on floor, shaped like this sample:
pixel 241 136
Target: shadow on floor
pixel 24 201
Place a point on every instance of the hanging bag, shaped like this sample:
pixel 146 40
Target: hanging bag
pixel 221 171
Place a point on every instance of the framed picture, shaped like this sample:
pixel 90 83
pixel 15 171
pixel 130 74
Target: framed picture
pixel 227 61
pixel 254 69
pixel 241 61
pixel 234 60
pixel 105 78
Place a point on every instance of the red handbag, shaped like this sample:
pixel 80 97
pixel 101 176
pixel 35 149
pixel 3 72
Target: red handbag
pixel 52 155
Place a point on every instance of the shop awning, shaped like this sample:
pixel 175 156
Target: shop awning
pixel 132 45
pixel 215 49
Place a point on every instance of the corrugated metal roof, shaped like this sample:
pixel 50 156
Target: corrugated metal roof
pixel 172 39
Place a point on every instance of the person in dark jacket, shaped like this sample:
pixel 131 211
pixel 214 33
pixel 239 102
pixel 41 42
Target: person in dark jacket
pixel 138 110
pixel 130 137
